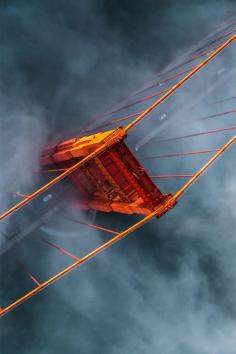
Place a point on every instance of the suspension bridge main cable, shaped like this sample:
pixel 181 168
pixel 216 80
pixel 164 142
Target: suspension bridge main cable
pixel 158 212
pixel 179 84
pixel 124 131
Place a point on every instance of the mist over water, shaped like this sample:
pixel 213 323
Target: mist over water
pixel 170 287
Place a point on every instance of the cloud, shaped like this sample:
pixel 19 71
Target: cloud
pixel 169 288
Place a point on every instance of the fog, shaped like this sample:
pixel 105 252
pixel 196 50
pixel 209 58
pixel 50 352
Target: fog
pixel 170 287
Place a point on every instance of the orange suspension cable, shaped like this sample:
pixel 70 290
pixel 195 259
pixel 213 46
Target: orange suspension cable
pixel 129 116
pixel 93 226
pixel 197 175
pixel 60 249
pixel 111 122
pixel 218 114
pixel 183 64
pixel 179 84
pixel 54 170
pixel 179 154
pixel 227 27
pixel 149 97
pixel 158 212
pixel 119 134
pixel 128 105
pixel 18 194
pixel 198 134
pixel 172 176
pixel 186 62
pixel 162 74
pixel 226 99
pixel 191 59
pixel 215 40
pixel 166 80
pixel 34 280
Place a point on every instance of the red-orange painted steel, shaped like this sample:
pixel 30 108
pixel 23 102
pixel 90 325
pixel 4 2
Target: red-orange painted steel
pixel 114 181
